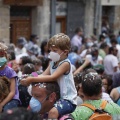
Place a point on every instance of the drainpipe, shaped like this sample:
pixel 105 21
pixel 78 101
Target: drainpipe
pixel 98 18
pixel 53 18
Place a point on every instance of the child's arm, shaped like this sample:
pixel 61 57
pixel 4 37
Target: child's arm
pixel 10 95
pixel 63 68
pixel 85 64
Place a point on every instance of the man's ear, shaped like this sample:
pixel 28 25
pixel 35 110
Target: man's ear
pixel 80 91
pixel 52 97
pixel 101 91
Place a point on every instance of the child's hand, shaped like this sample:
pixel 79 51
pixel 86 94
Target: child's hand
pixel 26 81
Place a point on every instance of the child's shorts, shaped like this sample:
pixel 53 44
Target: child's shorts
pixel 64 107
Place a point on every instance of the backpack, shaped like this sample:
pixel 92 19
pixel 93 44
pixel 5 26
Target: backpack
pixel 99 114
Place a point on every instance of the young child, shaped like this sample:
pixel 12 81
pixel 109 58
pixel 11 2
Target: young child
pixel 12 99
pixel 23 90
pixel 60 70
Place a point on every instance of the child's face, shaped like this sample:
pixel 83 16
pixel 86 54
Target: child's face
pixel 56 50
pixel 59 51
pixel 57 54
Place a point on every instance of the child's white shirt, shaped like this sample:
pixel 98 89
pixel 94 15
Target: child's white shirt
pixel 66 83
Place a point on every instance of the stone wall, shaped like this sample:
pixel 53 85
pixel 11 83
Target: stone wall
pixel 117 20
pixel 41 20
pixel 89 18
pixel 4 22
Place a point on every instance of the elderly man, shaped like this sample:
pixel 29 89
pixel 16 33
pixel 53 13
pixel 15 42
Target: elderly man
pixel 44 96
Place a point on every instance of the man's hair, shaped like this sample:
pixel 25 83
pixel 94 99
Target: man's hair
pixel 94 50
pixel 103 45
pixel 111 49
pixel 78 29
pixel 19 114
pixel 60 41
pixel 78 79
pixel 50 88
pixel 74 49
pixel 25 60
pixel 33 36
pixel 91 83
pixel 37 61
pixel 45 63
pixel 102 36
pixel 113 41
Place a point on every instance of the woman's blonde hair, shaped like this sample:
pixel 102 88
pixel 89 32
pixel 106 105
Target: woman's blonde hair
pixel 60 41
pixel 4 87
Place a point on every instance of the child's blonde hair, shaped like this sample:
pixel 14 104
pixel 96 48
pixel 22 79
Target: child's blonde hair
pixel 4 87
pixel 60 41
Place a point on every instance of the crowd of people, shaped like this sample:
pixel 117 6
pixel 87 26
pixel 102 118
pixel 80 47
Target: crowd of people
pixel 58 79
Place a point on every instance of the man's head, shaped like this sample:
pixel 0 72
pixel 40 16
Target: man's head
pixel 91 83
pixel 105 47
pixel 21 42
pixel 79 31
pixel 113 50
pixel 34 38
pixel 94 53
pixel 102 37
pixel 113 42
pixel 47 94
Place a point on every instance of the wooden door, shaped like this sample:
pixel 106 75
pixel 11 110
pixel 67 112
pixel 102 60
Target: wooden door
pixel 60 24
pixel 19 28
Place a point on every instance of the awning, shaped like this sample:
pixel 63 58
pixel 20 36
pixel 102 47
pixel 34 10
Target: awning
pixel 23 2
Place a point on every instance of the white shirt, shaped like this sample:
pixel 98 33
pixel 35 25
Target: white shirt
pixel 106 96
pixel 118 55
pixel 99 58
pixel 110 62
pixel 21 55
pixel 83 53
pixel 76 41
pixel 66 83
pixel 19 51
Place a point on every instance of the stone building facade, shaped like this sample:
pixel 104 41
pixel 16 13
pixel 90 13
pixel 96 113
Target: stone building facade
pixel 4 22
pixel 43 20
